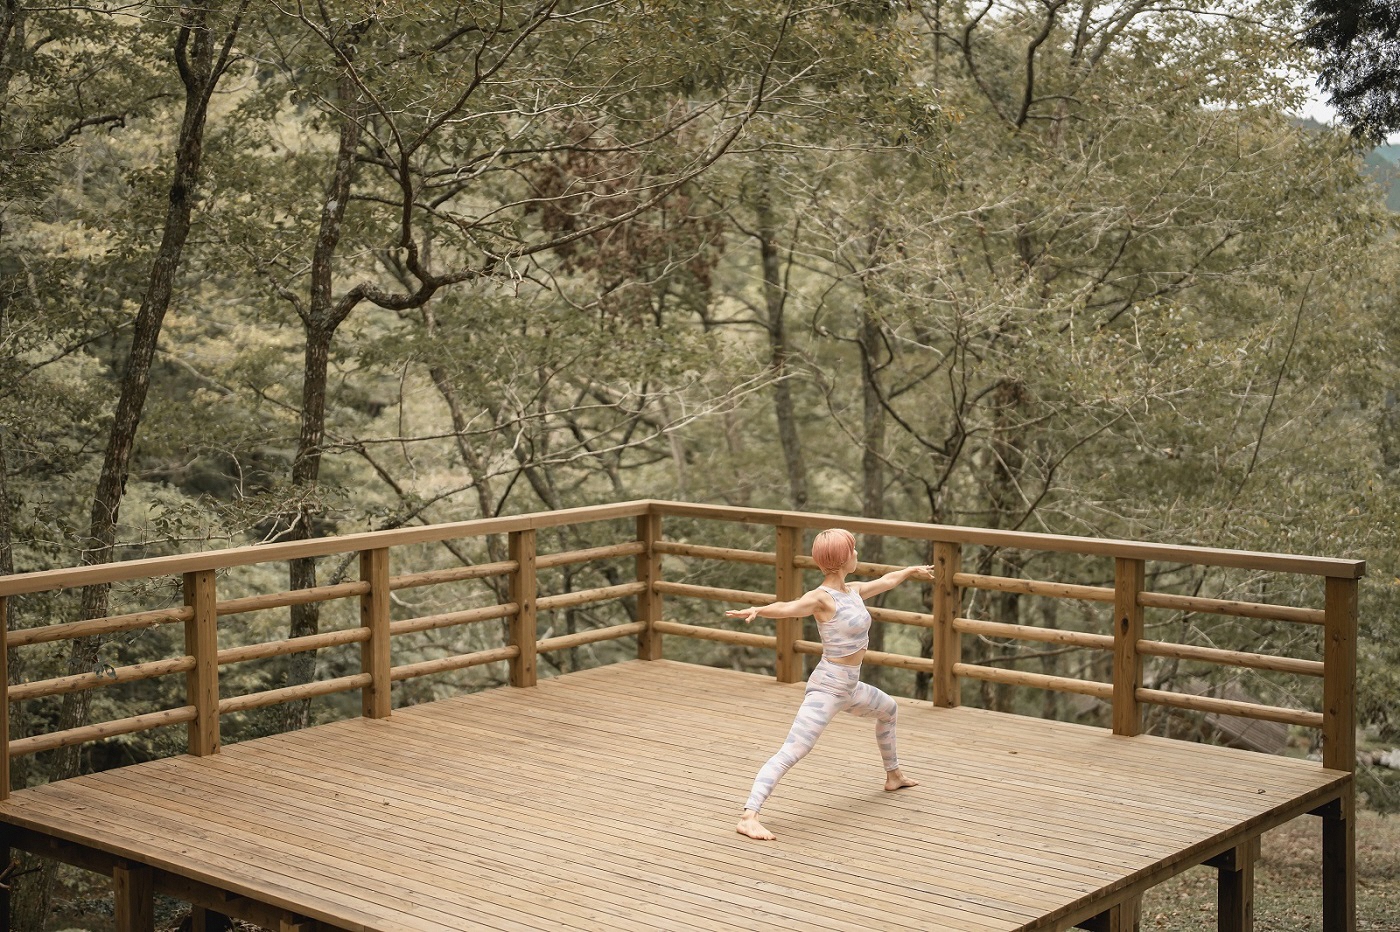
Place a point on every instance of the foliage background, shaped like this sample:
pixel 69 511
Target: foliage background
pixel 1067 267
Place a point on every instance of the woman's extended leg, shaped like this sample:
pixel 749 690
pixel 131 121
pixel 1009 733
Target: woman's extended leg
pixel 828 690
pixel 869 702
pixel 817 710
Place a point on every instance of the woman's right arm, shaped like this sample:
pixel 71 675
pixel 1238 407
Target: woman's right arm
pixel 797 608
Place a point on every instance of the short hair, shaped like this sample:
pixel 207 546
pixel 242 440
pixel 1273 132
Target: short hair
pixel 832 548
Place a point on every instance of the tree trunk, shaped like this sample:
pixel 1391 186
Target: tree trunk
pixel 1005 505
pixel 201 61
pixel 872 467
pixel 306 471
pixel 320 319
pixel 775 301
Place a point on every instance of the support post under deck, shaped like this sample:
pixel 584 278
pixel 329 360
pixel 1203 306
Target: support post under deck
pixel 207 920
pixel 1122 917
pixel 133 887
pixel 1235 886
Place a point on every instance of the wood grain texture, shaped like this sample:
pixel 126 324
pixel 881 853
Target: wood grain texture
pixel 202 644
pixel 947 604
pixel 1128 577
pixel 134 896
pixel 788 587
pixel 524 592
pixel 500 811
pixel 375 699
pixel 648 572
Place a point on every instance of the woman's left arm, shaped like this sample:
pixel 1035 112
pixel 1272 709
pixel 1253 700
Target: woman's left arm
pixel 888 581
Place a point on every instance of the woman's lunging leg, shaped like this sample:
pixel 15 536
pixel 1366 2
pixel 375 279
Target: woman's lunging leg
pixel 817 710
pixel 869 702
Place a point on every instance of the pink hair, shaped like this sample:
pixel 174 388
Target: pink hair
pixel 832 548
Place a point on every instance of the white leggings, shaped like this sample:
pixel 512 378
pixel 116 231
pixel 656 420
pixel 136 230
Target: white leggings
pixel 831 688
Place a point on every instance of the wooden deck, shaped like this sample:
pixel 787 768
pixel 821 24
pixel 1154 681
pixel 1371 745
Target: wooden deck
pixel 606 800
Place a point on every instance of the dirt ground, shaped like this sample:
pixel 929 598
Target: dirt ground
pixel 1288 883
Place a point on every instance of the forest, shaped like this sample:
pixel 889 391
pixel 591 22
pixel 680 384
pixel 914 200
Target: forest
pixel 276 271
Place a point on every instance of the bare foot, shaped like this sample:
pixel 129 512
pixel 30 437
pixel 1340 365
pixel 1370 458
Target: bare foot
pixel 750 826
pixel 896 780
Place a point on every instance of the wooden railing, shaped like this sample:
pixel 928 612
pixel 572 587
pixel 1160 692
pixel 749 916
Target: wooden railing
pixel 942 614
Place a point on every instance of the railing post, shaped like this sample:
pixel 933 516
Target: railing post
pixel 202 643
pixel 523 592
pixel 376 699
pixel 1339 753
pixel 649 573
pixel 1128 580
pixel 947 603
pixel 4 700
pixel 788 587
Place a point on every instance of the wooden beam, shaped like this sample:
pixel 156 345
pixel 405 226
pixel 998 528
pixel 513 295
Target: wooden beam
pixel 202 643
pixel 1339 676
pixel 1339 753
pixel 376 699
pixel 75 577
pixel 947 604
pixel 1024 540
pixel 134 891
pixel 1128 576
pixel 649 573
pixel 1235 886
pixel 524 591
pixel 1121 917
pixel 788 587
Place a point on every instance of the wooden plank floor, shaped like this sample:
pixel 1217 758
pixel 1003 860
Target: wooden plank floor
pixel 606 800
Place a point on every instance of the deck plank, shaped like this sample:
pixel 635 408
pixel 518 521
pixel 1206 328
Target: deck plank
pixel 606 799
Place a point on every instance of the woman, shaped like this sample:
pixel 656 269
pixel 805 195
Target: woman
pixel 844 624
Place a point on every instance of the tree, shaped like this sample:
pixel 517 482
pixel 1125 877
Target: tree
pixel 449 174
pixel 1358 47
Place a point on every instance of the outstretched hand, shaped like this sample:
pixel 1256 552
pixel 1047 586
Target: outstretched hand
pixel 748 614
pixel 921 572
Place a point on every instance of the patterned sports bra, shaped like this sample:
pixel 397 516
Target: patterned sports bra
pixel 848 631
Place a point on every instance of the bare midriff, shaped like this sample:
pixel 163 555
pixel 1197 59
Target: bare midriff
pixel 850 660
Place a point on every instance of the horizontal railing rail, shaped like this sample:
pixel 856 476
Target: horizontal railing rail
pixel 1125 639
pixel 517 602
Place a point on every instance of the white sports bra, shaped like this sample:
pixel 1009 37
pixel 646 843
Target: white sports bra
pixel 848 631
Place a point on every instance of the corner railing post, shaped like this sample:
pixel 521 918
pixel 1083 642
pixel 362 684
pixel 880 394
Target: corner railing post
pixel 523 592
pixel 648 574
pixel 947 603
pixel 376 699
pixel 1339 753
pixel 788 587
pixel 4 699
pixel 1128 581
pixel 202 643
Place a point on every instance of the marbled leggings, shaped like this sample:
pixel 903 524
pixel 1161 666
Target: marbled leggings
pixel 831 688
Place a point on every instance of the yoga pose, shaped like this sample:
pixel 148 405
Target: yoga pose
pixel 844 624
